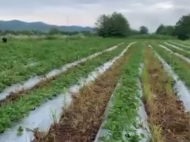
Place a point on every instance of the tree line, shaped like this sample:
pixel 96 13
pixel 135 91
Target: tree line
pixel 181 29
pixel 116 25
pixel 53 31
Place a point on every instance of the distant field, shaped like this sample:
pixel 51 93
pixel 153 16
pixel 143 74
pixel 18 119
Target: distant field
pixel 95 89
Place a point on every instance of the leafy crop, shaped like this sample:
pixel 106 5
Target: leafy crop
pixel 122 117
pixel 184 53
pixel 21 60
pixel 19 108
pixel 180 66
pixel 180 46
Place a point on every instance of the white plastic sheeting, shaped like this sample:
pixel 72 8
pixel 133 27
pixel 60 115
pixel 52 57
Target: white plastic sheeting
pixel 174 46
pixel 32 82
pixel 104 132
pixel 142 115
pixel 179 87
pixel 179 44
pixel 177 54
pixel 141 119
pixel 41 118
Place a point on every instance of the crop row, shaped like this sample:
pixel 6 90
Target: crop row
pixel 13 71
pixel 82 118
pixel 122 115
pixel 166 113
pixel 181 52
pixel 19 108
pixel 184 43
pixel 178 65
pixel 24 52
pixel 182 46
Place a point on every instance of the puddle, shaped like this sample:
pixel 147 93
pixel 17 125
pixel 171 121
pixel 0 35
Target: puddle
pixel 41 117
pixel 32 82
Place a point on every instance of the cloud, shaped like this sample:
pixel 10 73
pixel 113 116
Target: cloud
pixel 150 13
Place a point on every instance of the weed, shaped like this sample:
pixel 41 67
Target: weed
pixel 19 131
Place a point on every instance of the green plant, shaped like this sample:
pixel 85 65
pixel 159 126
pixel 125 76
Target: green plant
pixel 121 121
pixel 21 60
pixel 180 66
pixel 19 131
pixel 18 109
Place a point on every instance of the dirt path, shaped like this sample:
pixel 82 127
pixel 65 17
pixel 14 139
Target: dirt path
pixel 81 121
pixel 169 122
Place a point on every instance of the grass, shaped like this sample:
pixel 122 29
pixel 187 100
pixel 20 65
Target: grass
pixel 19 108
pixel 180 45
pixel 148 95
pixel 181 52
pixel 122 116
pixel 180 66
pixel 156 133
pixel 17 56
pixel 146 86
pixel 186 43
pixel 167 117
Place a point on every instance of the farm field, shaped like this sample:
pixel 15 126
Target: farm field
pixel 21 60
pixel 95 90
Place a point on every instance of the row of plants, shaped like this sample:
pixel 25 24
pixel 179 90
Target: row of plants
pixel 83 116
pixel 186 43
pixel 182 46
pixel 166 113
pixel 23 52
pixel 19 108
pixel 45 57
pixel 179 66
pixel 121 121
pixel 175 50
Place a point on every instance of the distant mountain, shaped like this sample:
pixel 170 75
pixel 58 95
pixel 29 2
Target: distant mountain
pixel 16 25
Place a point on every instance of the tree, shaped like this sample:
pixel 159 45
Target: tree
pixel 182 28
pixel 165 30
pixel 114 25
pixel 160 29
pixel 134 32
pixel 54 31
pixel 143 30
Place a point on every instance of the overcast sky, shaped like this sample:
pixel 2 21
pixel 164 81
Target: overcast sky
pixel 150 13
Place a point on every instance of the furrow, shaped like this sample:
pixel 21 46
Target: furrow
pixel 41 116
